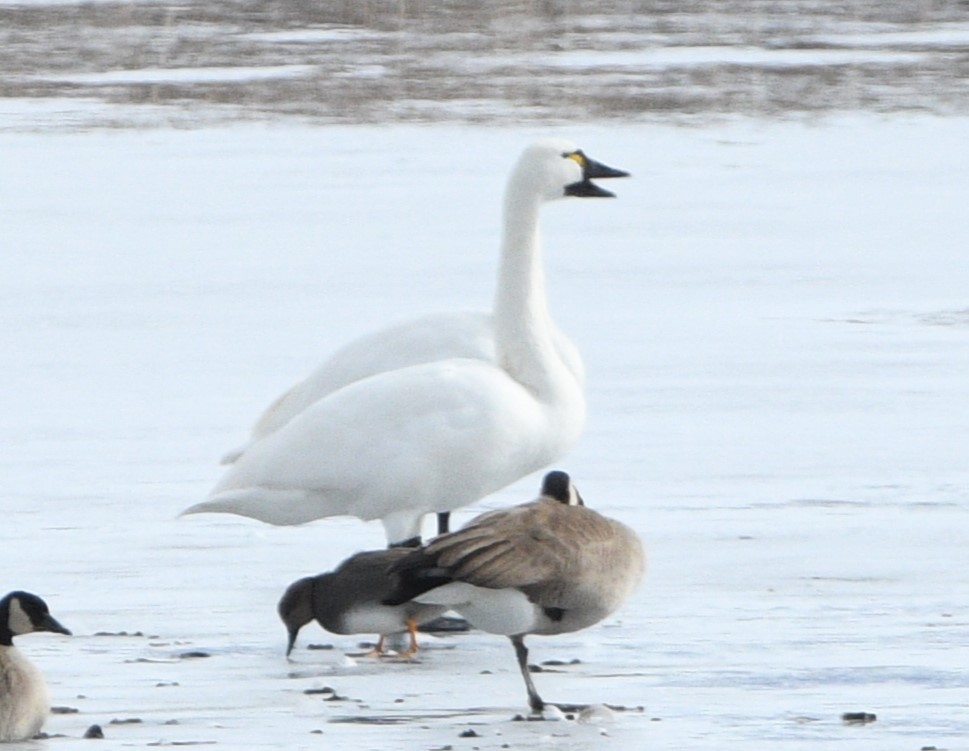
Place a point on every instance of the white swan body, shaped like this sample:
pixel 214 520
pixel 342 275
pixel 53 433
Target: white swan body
pixel 24 699
pixel 443 433
pixel 431 337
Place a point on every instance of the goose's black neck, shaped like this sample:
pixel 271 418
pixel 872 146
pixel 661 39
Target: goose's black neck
pixel 6 635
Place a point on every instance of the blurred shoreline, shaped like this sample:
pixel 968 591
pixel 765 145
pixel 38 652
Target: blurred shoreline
pixel 85 65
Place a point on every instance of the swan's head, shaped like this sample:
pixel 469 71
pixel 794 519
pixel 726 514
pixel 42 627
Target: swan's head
pixel 555 168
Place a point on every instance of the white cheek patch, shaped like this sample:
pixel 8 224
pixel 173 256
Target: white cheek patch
pixel 18 622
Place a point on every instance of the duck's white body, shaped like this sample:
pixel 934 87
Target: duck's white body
pixel 24 699
pixel 442 433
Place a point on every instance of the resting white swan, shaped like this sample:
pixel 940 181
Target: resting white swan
pixel 452 428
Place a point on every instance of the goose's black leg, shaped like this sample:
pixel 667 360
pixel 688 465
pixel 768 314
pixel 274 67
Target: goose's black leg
pixel 521 652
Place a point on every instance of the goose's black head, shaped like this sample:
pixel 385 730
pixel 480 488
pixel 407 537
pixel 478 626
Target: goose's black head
pixel 24 613
pixel 558 486
pixel 296 608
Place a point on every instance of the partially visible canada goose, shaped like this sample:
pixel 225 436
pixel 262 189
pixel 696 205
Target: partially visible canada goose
pixel 24 701
pixel 433 428
pixel 550 566
pixel 349 600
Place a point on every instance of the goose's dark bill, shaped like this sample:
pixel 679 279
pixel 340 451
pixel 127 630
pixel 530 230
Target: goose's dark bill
pixel 591 169
pixel 50 623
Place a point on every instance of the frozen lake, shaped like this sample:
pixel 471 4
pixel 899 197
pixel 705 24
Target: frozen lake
pixel 773 315
pixel 775 326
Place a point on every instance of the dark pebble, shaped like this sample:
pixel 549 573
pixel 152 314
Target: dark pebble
pixel 324 690
pixel 94 731
pixel 63 710
pixel 469 733
pixel 320 646
pixel 126 721
pixel 193 654
pixel 858 718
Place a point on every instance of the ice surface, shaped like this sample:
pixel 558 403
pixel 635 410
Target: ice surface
pixel 775 323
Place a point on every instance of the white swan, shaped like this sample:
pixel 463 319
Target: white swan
pixel 24 701
pixel 452 428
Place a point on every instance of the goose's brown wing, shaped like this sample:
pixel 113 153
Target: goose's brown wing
pixel 538 542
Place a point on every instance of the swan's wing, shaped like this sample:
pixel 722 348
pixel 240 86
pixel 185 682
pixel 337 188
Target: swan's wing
pixel 353 451
pixel 433 337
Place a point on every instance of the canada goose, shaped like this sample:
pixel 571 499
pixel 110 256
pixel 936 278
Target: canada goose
pixel 439 435
pixel 550 566
pixel 24 701
pixel 348 600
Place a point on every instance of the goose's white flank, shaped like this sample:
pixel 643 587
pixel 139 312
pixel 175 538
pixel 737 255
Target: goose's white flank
pixel 411 439
pixel 24 701
pixel 551 566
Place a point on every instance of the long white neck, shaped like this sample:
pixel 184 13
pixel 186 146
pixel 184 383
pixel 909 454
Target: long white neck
pixel 523 328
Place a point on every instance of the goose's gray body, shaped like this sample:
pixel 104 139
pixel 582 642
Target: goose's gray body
pixel 348 600
pixel 550 566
